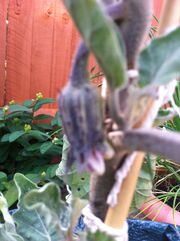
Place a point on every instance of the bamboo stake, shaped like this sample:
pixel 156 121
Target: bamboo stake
pixel 116 216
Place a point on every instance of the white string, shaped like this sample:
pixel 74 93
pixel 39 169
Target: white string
pixel 69 196
pixel 132 73
pixel 94 224
pixel 119 177
pixel 104 88
pixel 164 94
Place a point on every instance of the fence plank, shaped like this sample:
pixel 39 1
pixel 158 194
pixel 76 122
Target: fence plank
pixel 41 42
pixel 3 15
pixel 157 10
pixel 19 49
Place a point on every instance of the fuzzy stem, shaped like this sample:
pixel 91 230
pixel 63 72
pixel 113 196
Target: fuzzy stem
pixel 154 141
pixel 116 11
pixel 79 73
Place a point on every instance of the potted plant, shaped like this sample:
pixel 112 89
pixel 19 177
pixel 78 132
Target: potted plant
pixel 131 104
pixel 108 136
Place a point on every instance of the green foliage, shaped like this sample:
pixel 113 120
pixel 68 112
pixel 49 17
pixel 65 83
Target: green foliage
pixel 144 184
pixel 98 236
pixel 45 218
pixel 101 36
pixel 78 182
pixel 159 62
pixel 42 215
pixel 30 143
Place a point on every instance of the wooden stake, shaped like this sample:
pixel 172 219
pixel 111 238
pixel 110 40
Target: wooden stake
pixel 116 216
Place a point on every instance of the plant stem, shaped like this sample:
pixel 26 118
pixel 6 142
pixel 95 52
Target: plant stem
pixel 154 141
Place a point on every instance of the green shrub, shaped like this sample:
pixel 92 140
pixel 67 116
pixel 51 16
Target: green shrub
pixel 30 143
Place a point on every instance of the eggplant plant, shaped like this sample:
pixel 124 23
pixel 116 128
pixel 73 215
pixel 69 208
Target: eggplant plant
pixel 105 133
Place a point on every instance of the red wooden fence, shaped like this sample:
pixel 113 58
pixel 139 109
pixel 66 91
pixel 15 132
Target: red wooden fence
pixel 41 40
pixel 3 15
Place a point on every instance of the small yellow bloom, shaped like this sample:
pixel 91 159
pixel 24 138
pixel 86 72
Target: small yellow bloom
pixel 43 174
pixel 55 140
pixel 39 96
pixel 16 120
pixel 12 102
pixel 27 127
pixel 5 108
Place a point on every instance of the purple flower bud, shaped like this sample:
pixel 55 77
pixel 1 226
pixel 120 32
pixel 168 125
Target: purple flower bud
pixel 80 111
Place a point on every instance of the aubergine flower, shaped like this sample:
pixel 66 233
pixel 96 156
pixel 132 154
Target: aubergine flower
pixel 79 105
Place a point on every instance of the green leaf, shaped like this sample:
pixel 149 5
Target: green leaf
pixel 41 136
pixel 4 152
pixel 42 127
pixel 51 170
pixel 34 147
pixel 4 210
pixel 177 94
pixel 45 147
pixel 55 150
pixel 3 180
pixel 99 236
pixel 176 123
pixel 49 196
pixel 47 201
pixel 42 117
pixel 15 135
pixel 102 37
pixel 5 235
pixel 7 230
pixel 78 182
pixel 3 177
pixel 28 103
pixel 56 121
pixel 144 184
pixel 2 125
pixel 14 108
pixel 48 214
pixel 23 116
pixel 40 103
pixel 5 138
pixel 159 63
pixel 11 194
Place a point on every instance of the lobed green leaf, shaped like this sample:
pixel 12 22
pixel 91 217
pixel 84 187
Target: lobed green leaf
pixel 159 62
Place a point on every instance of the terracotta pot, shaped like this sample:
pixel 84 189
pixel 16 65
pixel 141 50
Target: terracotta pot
pixel 157 211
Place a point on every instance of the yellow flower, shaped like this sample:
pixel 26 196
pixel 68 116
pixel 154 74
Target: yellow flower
pixel 43 174
pixel 16 120
pixel 5 108
pixel 39 96
pixel 12 102
pixel 55 140
pixel 27 127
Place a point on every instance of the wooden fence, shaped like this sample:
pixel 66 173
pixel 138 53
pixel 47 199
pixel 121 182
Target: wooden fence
pixel 36 47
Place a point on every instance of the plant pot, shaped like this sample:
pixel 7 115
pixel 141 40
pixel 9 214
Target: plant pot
pixel 145 230
pixel 156 210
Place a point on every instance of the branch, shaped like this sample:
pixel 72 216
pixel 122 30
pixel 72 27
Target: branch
pixel 154 141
